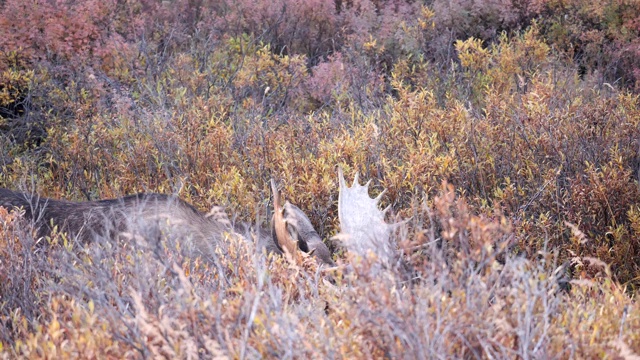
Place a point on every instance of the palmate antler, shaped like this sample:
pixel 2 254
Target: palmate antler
pixel 363 230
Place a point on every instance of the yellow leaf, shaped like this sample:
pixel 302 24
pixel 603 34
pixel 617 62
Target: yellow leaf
pixel 54 326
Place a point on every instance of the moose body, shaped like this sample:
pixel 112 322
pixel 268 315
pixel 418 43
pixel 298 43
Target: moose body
pixel 136 214
pixel 85 220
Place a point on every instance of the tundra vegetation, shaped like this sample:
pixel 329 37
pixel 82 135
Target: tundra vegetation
pixel 506 133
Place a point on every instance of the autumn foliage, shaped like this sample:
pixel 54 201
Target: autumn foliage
pixel 507 132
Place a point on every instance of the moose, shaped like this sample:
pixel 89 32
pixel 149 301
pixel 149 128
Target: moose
pixel 362 225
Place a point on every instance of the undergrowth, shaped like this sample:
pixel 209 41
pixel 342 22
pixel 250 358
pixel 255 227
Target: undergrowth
pixel 526 111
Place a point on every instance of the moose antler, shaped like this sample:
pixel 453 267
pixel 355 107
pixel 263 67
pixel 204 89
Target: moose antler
pixel 283 238
pixel 362 226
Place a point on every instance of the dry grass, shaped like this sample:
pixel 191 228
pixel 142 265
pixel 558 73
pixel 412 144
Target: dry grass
pixel 515 159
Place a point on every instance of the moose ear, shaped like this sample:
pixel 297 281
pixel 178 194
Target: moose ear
pixel 302 244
